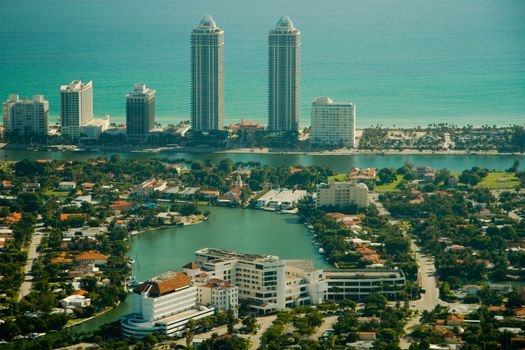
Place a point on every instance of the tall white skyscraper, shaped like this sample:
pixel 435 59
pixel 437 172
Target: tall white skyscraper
pixel 332 123
pixel 284 44
pixel 25 117
pixel 207 76
pixel 76 107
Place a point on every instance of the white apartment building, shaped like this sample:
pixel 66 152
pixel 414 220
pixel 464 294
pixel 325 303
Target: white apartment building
pixel 332 123
pixel 259 278
pixel 94 128
pixel 341 194
pixel 25 117
pixel 281 199
pixel 163 304
pixel 267 283
pixel 76 107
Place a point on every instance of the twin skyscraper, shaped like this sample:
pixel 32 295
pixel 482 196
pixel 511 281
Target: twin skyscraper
pixel 207 76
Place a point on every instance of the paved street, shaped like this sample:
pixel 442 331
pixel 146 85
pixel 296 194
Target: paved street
pixel 264 321
pixel 327 324
pixel 32 254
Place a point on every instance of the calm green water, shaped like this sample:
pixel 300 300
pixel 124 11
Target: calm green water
pixel 337 163
pixel 244 230
pixel 403 62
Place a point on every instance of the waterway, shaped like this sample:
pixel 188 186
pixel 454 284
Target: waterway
pixel 339 163
pixel 245 230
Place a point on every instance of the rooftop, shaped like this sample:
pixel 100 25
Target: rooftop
pixel 163 284
pixel 285 25
pixel 207 25
pixel 228 254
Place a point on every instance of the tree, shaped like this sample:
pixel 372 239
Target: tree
pixel 386 176
pixel 190 332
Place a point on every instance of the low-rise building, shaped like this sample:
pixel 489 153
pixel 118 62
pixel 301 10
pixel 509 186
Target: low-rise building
pixel 358 283
pixel 362 174
pixel 92 257
pixel 92 129
pixel 146 188
pixel 342 194
pixel 281 199
pixel 67 186
pixel 221 295
pixel 75 301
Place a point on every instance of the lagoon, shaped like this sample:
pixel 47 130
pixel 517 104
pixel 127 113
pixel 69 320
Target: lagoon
pixel 245 230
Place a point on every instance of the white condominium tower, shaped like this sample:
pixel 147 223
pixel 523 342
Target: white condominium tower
pixel 140 111
pixel 25 118
pixel 76 107
pixel 333 123
pixel 207 76
pixel 283 69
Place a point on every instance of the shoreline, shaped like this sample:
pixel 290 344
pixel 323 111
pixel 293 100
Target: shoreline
pixel 358 152
pixel 102 312
pixel 260 151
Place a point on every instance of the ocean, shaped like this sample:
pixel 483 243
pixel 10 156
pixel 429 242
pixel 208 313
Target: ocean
pixel 402 62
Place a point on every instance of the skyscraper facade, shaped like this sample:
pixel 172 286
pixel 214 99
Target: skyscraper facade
pixel 25 117
pixel 140 111
pixel 332 123
pixel 284 44
pixel 207 76
pixel 76 107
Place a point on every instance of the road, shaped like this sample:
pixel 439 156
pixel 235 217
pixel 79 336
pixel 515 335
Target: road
pixel 328 322
pixel 32 255
pixel 255 340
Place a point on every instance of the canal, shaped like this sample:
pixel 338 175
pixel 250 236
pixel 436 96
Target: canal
pixel 339 163
pixel 245 230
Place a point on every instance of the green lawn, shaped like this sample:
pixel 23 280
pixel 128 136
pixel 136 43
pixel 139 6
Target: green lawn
pixel 499 180
pixel 338 177
pixel 391 186
pixel 55 193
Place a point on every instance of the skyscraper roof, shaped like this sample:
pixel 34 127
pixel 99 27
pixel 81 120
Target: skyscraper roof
pixel 207 24
pixel 284 24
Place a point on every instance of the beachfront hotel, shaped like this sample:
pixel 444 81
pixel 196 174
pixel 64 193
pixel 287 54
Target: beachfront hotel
pixel 207 76
pixel 140 112
pixel 76 107
pixel 342 194
pixel 332 123
pixel 25 117
pixel 284 43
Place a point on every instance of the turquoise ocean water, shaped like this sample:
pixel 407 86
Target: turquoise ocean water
pixel 403 62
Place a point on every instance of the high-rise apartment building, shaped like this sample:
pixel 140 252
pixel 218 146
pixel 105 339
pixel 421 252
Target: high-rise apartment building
pixel 283 76
pixel 140 111
pixel 76 107
pixel 332 123
pixel 25 118
pixel 207 76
